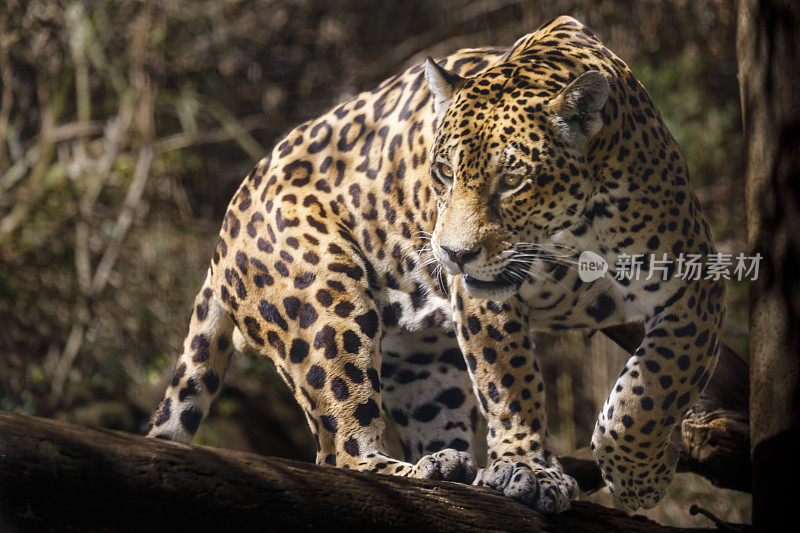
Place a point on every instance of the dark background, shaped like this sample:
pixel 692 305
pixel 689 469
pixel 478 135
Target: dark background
pixel 99 263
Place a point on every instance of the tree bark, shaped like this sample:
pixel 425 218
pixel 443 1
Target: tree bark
pixel 61 476
pixel 768 50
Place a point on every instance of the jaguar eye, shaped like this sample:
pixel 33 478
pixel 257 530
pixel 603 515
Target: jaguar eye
pixel 510 181
pixel 445 171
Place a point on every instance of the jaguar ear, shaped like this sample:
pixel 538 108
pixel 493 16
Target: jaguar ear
pixel 443 84
pixel 578 106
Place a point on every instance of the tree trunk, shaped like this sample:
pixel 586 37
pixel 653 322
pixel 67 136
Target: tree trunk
pixel 60 476
pixel 768 49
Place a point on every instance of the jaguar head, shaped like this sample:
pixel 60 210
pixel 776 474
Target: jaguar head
pixel 508 169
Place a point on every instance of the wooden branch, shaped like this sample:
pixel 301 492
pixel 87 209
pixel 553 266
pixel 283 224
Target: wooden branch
pixel 61 476
pixel 716 445
pixel 104 268
pixel 188 139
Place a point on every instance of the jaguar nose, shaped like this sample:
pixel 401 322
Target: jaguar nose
pixel 460 257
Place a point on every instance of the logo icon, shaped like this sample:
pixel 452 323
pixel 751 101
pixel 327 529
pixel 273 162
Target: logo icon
pixel 591 266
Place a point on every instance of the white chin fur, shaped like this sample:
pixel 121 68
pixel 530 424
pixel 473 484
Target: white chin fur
pixel 490 294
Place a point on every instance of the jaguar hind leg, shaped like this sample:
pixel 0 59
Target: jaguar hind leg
pixel 342 403
pixel 199 370
pixel 427 393
pixel 324 339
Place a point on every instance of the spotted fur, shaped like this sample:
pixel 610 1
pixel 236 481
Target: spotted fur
pixel 394 254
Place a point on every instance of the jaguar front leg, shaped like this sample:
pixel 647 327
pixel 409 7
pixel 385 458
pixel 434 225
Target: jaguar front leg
pixel 496 343
pixel 659 383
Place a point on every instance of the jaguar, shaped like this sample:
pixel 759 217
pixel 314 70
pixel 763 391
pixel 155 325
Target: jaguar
pixel 393 257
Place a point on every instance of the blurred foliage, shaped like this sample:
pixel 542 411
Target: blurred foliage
pixel 125 127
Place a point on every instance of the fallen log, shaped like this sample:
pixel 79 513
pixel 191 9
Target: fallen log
pixel 59 476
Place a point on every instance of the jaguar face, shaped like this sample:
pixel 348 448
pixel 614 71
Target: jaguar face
pixel 508 171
